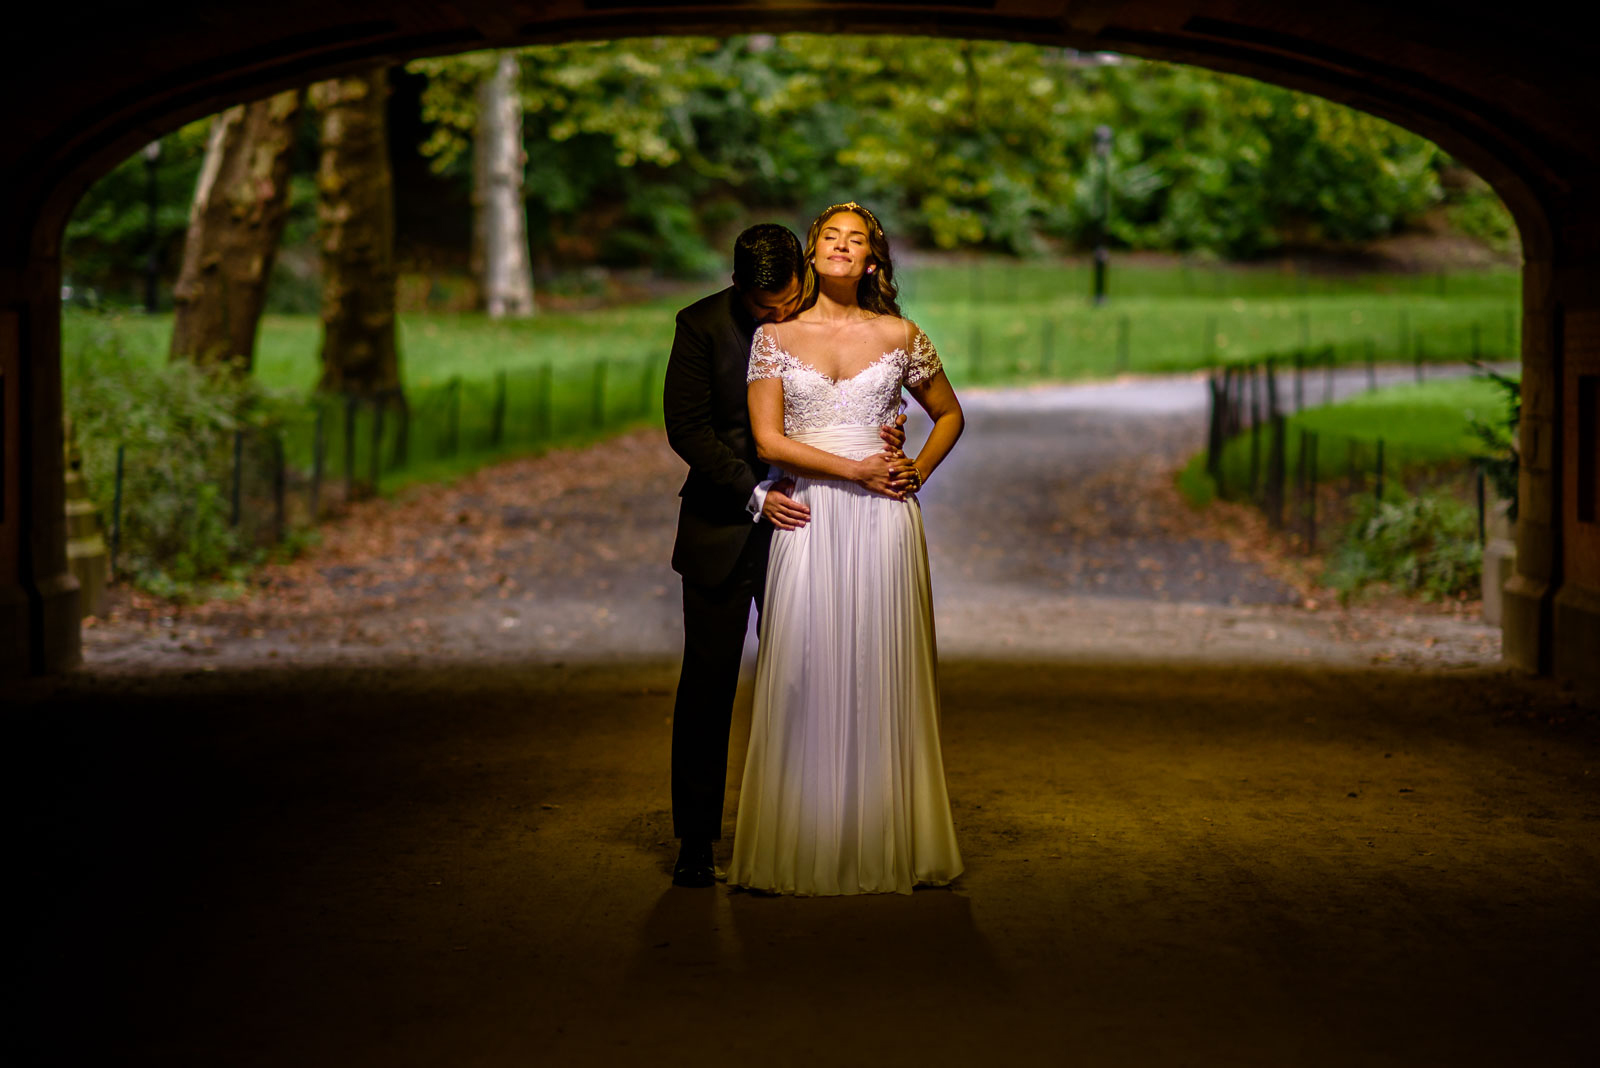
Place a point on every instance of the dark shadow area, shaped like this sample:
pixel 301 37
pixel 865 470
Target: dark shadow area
pixel 467 864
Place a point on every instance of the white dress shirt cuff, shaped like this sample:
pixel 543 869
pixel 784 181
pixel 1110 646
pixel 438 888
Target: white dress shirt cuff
pixel 758 500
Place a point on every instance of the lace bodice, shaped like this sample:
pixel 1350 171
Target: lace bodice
pixel 870 397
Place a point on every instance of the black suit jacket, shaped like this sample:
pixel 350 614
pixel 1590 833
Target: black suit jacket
pixel 708 424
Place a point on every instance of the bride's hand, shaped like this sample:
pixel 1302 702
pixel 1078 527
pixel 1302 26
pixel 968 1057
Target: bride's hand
pixel 880 473
pixel 894 435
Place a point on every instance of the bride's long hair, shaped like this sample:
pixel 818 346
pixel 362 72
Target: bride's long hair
pixel 876 292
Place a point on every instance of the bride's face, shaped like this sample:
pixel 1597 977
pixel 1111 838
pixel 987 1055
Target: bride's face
pixel 842 250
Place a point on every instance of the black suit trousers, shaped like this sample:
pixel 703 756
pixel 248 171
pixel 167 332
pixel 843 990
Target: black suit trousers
pixel 715 619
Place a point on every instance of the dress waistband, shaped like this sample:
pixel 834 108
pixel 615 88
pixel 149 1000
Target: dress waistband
pixel 850 441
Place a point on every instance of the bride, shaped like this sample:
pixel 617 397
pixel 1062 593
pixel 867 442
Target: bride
pixel 844 789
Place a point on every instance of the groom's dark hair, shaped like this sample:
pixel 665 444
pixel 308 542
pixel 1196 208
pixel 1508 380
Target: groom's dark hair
pixel 766 257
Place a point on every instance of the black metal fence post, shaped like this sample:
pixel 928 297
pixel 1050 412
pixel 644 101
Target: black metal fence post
pixel 279 488
pixel 1255 432
pixel 316 466
pixel 1378 490
pixel 1299 381
pixel 1275 471
pixel 350 447
pixel 116 509
pixel 497 417
pixel 452 416
pixel 1213 426
pixel 1327 375
pixel 1300 482
pixel 402 431
pixel 647 381
pixel 543 418
pixel 238 476
pixel 1482 534
pixel 375 461
pixel 1311 494
pixel 597 402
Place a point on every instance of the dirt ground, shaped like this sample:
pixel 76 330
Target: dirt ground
pixel 1202 822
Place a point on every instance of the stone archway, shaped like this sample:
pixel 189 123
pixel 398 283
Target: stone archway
pixel 1507 89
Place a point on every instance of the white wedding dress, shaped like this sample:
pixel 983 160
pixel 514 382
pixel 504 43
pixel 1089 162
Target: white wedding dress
pixel 844 788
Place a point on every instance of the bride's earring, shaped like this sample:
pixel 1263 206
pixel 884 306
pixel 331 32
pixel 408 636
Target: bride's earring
pixel 871 267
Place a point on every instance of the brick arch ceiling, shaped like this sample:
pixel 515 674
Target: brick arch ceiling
pixel 1511 89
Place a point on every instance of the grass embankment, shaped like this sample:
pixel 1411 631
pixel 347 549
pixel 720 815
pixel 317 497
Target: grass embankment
pixel 1421 425
pixel 1405 520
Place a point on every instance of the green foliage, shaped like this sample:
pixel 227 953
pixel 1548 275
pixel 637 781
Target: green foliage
pixel 108 234
pixel 1500 458
pixel 958 143
pixel 176 423
pixel 1472 208
pixel 1426 544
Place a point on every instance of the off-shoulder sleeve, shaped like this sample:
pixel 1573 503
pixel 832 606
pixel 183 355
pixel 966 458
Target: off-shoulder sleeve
pixel 765 356
pixel 922 359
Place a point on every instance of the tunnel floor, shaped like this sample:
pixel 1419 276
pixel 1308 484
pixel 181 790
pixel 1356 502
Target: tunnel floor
pixel 1166 864
pixel 407 803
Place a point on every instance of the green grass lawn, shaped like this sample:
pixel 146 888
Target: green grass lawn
pixel 1420 425
pixel 992 320
pixel 566 375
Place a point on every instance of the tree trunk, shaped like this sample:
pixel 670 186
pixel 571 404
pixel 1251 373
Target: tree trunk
pixel 240 205
pixel 501 223
pixel 355 213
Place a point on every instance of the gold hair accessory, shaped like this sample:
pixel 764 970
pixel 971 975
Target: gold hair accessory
pixel 853 206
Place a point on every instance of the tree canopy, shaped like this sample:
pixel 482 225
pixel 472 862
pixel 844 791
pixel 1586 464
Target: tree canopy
pixel 646 151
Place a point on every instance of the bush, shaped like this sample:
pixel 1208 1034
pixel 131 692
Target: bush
pixel 176 424
pixel 1427 544
pixel 1501 459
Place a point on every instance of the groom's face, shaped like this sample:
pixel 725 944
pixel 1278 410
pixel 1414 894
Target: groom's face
pixel 767 306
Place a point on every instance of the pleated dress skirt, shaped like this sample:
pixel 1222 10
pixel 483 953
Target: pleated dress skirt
pixel 844 789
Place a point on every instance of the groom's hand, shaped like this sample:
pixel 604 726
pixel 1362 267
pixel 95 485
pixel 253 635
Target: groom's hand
pixel 782 510
pixel 894 435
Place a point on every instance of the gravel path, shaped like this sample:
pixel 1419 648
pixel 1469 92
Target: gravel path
pixel 1053 529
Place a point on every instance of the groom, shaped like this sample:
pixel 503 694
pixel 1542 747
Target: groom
pixel 725 522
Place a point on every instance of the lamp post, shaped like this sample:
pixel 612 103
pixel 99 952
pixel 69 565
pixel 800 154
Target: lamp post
pixel 152 157
pixel 1102 148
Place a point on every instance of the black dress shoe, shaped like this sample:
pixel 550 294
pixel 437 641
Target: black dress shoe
pixel 695 866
